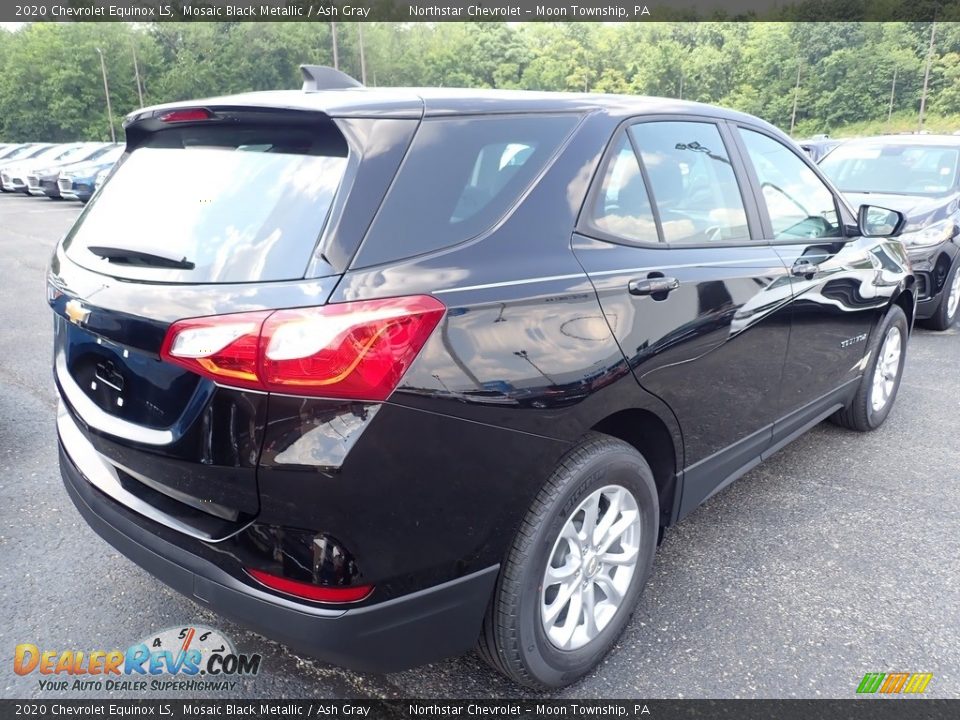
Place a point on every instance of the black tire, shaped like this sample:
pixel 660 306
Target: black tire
pixel 942 319
pixel 860 414
pixel 513 640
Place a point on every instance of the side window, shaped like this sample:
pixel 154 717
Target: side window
pixel 460 176
pixel 495 165
pixel 693 182
pixel 799 204
pixel 622 207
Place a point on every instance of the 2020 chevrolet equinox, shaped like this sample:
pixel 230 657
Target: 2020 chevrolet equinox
pixel 390 374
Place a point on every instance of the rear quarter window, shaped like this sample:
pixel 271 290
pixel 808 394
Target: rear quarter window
pixel 460 177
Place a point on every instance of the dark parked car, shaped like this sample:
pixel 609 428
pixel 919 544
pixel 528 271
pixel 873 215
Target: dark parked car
pixel 77 182
pixel 919 175
pixel 43 180
pixel 819 148
pixel 390 374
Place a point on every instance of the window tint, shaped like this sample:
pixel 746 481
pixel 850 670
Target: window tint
pixel 799 204
pixel 622 207
pixel 240 204
pixel 459 178
pixel 693 182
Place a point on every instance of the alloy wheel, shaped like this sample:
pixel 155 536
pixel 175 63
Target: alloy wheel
pixel 590 567
pixel 953 299
pixel 888 366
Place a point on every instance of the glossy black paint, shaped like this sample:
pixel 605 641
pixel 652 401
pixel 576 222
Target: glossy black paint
pixel 931 264
pixel 542 341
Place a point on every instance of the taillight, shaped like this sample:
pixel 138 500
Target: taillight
pixel 187 115
pixel 357 350
pixel 221 347
pixel 309 591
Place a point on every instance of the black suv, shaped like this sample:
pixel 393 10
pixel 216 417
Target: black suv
pixel 390 374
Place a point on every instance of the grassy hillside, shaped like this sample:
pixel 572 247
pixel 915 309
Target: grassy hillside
pixel 900 122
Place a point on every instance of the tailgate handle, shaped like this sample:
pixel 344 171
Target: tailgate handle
pixel 653 286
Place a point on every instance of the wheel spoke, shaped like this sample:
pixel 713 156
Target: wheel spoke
pixel 561 574
pixel 574 615
pixel 590 513
pixel 552 611
pixel 609 589
pixel 616 530
pixel 625 558
pixel 589 611
pixel 570 533
pixel 609 517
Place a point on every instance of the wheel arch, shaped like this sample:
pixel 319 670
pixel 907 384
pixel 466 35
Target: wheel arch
pixel 907 301
pixel 652 438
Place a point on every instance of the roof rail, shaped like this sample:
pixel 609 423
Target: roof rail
pixel 322 77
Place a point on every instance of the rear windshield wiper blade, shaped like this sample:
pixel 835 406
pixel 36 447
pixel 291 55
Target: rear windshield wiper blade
pixel 129 256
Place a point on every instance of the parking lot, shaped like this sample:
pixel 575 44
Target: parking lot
pixel 838 557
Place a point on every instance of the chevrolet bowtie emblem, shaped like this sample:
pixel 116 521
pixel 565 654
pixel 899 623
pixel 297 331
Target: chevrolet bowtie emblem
pixel 77 313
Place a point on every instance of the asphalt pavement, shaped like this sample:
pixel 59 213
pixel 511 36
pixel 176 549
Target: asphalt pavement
pixel 839 556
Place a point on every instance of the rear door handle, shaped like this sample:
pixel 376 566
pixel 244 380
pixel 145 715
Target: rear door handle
pixel 653 286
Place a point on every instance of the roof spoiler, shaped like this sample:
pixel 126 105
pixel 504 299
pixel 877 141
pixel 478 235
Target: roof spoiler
pixel 322 77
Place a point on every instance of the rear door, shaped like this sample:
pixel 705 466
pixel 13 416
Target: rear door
pixel 670 238
pixel 834 278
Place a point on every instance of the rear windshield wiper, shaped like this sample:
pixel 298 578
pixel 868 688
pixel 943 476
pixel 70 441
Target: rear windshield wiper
pixel 129 256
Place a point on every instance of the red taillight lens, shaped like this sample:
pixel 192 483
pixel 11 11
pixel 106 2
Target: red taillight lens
pixel 308 591
pixel 222 347
pixel 187 115
pixel 356 350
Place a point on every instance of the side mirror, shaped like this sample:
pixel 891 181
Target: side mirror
pixel 873 221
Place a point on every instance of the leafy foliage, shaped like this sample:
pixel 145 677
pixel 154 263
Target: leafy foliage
pixel 51 86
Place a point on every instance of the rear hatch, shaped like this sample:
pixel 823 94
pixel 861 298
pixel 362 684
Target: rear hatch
pixel 209 215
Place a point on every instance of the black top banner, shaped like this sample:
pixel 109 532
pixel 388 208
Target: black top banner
pixel 476 10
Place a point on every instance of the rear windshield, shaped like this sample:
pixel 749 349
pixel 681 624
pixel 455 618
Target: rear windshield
pixel 211 204
pixel 460 176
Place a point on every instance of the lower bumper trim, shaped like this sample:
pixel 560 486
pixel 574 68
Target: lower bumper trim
pixel 426 626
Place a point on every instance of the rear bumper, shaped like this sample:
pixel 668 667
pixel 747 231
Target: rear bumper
pixel 12 184
pixel 50 188
pixel 76 191
pixel 69 190
pixel 421 627
pixel 34 185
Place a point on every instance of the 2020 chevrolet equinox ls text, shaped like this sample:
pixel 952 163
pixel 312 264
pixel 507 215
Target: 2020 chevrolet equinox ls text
pixel 390 374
